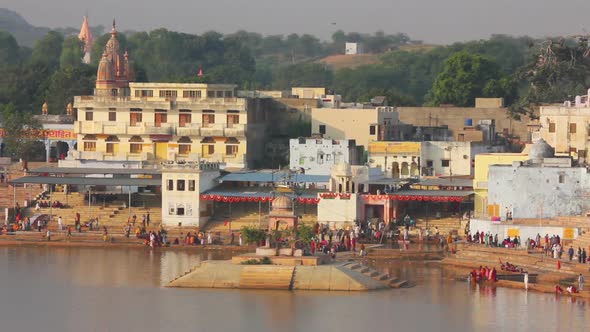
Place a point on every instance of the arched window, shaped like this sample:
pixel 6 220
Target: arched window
pixel 184 145
pixel 112 145
pixel 135 144
pixel 89 142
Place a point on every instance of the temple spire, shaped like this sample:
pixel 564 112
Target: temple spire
pixel 86 36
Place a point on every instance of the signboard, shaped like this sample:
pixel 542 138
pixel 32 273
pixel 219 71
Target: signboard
pixel 395 148
pixel 568 233
pixel 50 134
pixel 513 232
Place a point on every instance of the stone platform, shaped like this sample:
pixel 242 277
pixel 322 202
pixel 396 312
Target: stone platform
pixel 284 260
pixel 348 276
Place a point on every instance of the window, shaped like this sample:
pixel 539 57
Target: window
pixel 111 148
pixel 232 119
pixel 429 163
pixel 112 116
pixel 445 162
pixel 144 93
pixel 228 94
pixel 210 94
pixel 572 128
pixel 184 119
pixel 191 94
pixel 328 157
pixel 180 211
pixel 208 120
pixel 179 185
pixel 170 185
pixel 168 93
pixel 581 153
pixel 551 127
pixel 372 130
pixel 231 150
pixel 323 129
pixel 89 116
pixel 320 158
pixel 191 185
pixel 208 149
pixel 135 147
pixel 135 117
pixel 561 178
pixel 219 94
pixel 184 149
pixel 160 117
pixel 89 146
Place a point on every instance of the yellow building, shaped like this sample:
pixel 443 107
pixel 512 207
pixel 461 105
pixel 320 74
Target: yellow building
pixel 481 178
pixel 313 93
pixel 139 122
pixel 360 124
pixel 567 129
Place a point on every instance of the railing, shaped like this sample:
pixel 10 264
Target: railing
pixel 235 130
pixel 148 128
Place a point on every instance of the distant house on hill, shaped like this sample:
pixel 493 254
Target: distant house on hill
pixel 353 48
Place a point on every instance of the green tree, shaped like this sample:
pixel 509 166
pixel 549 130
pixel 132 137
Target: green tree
pixel 463 79
pixel 252 234
pixel 19 129
pixel 48 49
pixel 305 233
pixel 9 50
pixel 66 83
pixel 72 52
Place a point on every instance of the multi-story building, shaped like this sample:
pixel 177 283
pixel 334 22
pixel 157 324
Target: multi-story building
pixel 317 156
pixel 133 123
pixel 567 128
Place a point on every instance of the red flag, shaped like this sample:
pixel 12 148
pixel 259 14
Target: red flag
pixel 225 223
pixel 200 72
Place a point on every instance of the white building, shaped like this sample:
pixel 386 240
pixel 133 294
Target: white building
pixel 429 158
pixel 317 156
pixel 353 48
pixel 182 185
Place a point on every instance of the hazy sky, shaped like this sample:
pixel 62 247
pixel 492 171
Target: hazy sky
pixel 433 21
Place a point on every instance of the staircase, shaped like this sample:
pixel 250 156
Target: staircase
pixel 392 282
pixel 113 215
pixel 445 225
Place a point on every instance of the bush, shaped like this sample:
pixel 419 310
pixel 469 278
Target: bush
pixel 252 234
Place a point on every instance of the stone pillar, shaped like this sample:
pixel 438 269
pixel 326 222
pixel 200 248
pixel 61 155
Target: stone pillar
pixel 47 149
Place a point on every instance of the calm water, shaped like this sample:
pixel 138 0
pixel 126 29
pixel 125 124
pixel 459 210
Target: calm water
pixel 120 290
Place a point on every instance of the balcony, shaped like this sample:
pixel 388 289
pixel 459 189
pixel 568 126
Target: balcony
pixel 163 129
pixel 235 130
pixel 212 130
pixel 192 129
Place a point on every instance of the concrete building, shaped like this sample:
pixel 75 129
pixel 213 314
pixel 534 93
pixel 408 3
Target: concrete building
pixel 309 92
pixel 542 187
pixel 182 185
pixel 360 124
pixel 481 178
pixel 455 118
pixel 132 124
pixel 317 156
pixel 567 127
pixel 430 158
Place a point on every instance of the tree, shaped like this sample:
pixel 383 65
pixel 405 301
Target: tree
pixel 463 79
pixel 19 130
pixel 252 234
pixel 9 50
pixel 72 53
pixel 305 233
pixel 48 49
pixel 66 83
pixel 560 69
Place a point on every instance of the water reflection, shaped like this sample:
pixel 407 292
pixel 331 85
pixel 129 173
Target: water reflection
pixel 71 289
